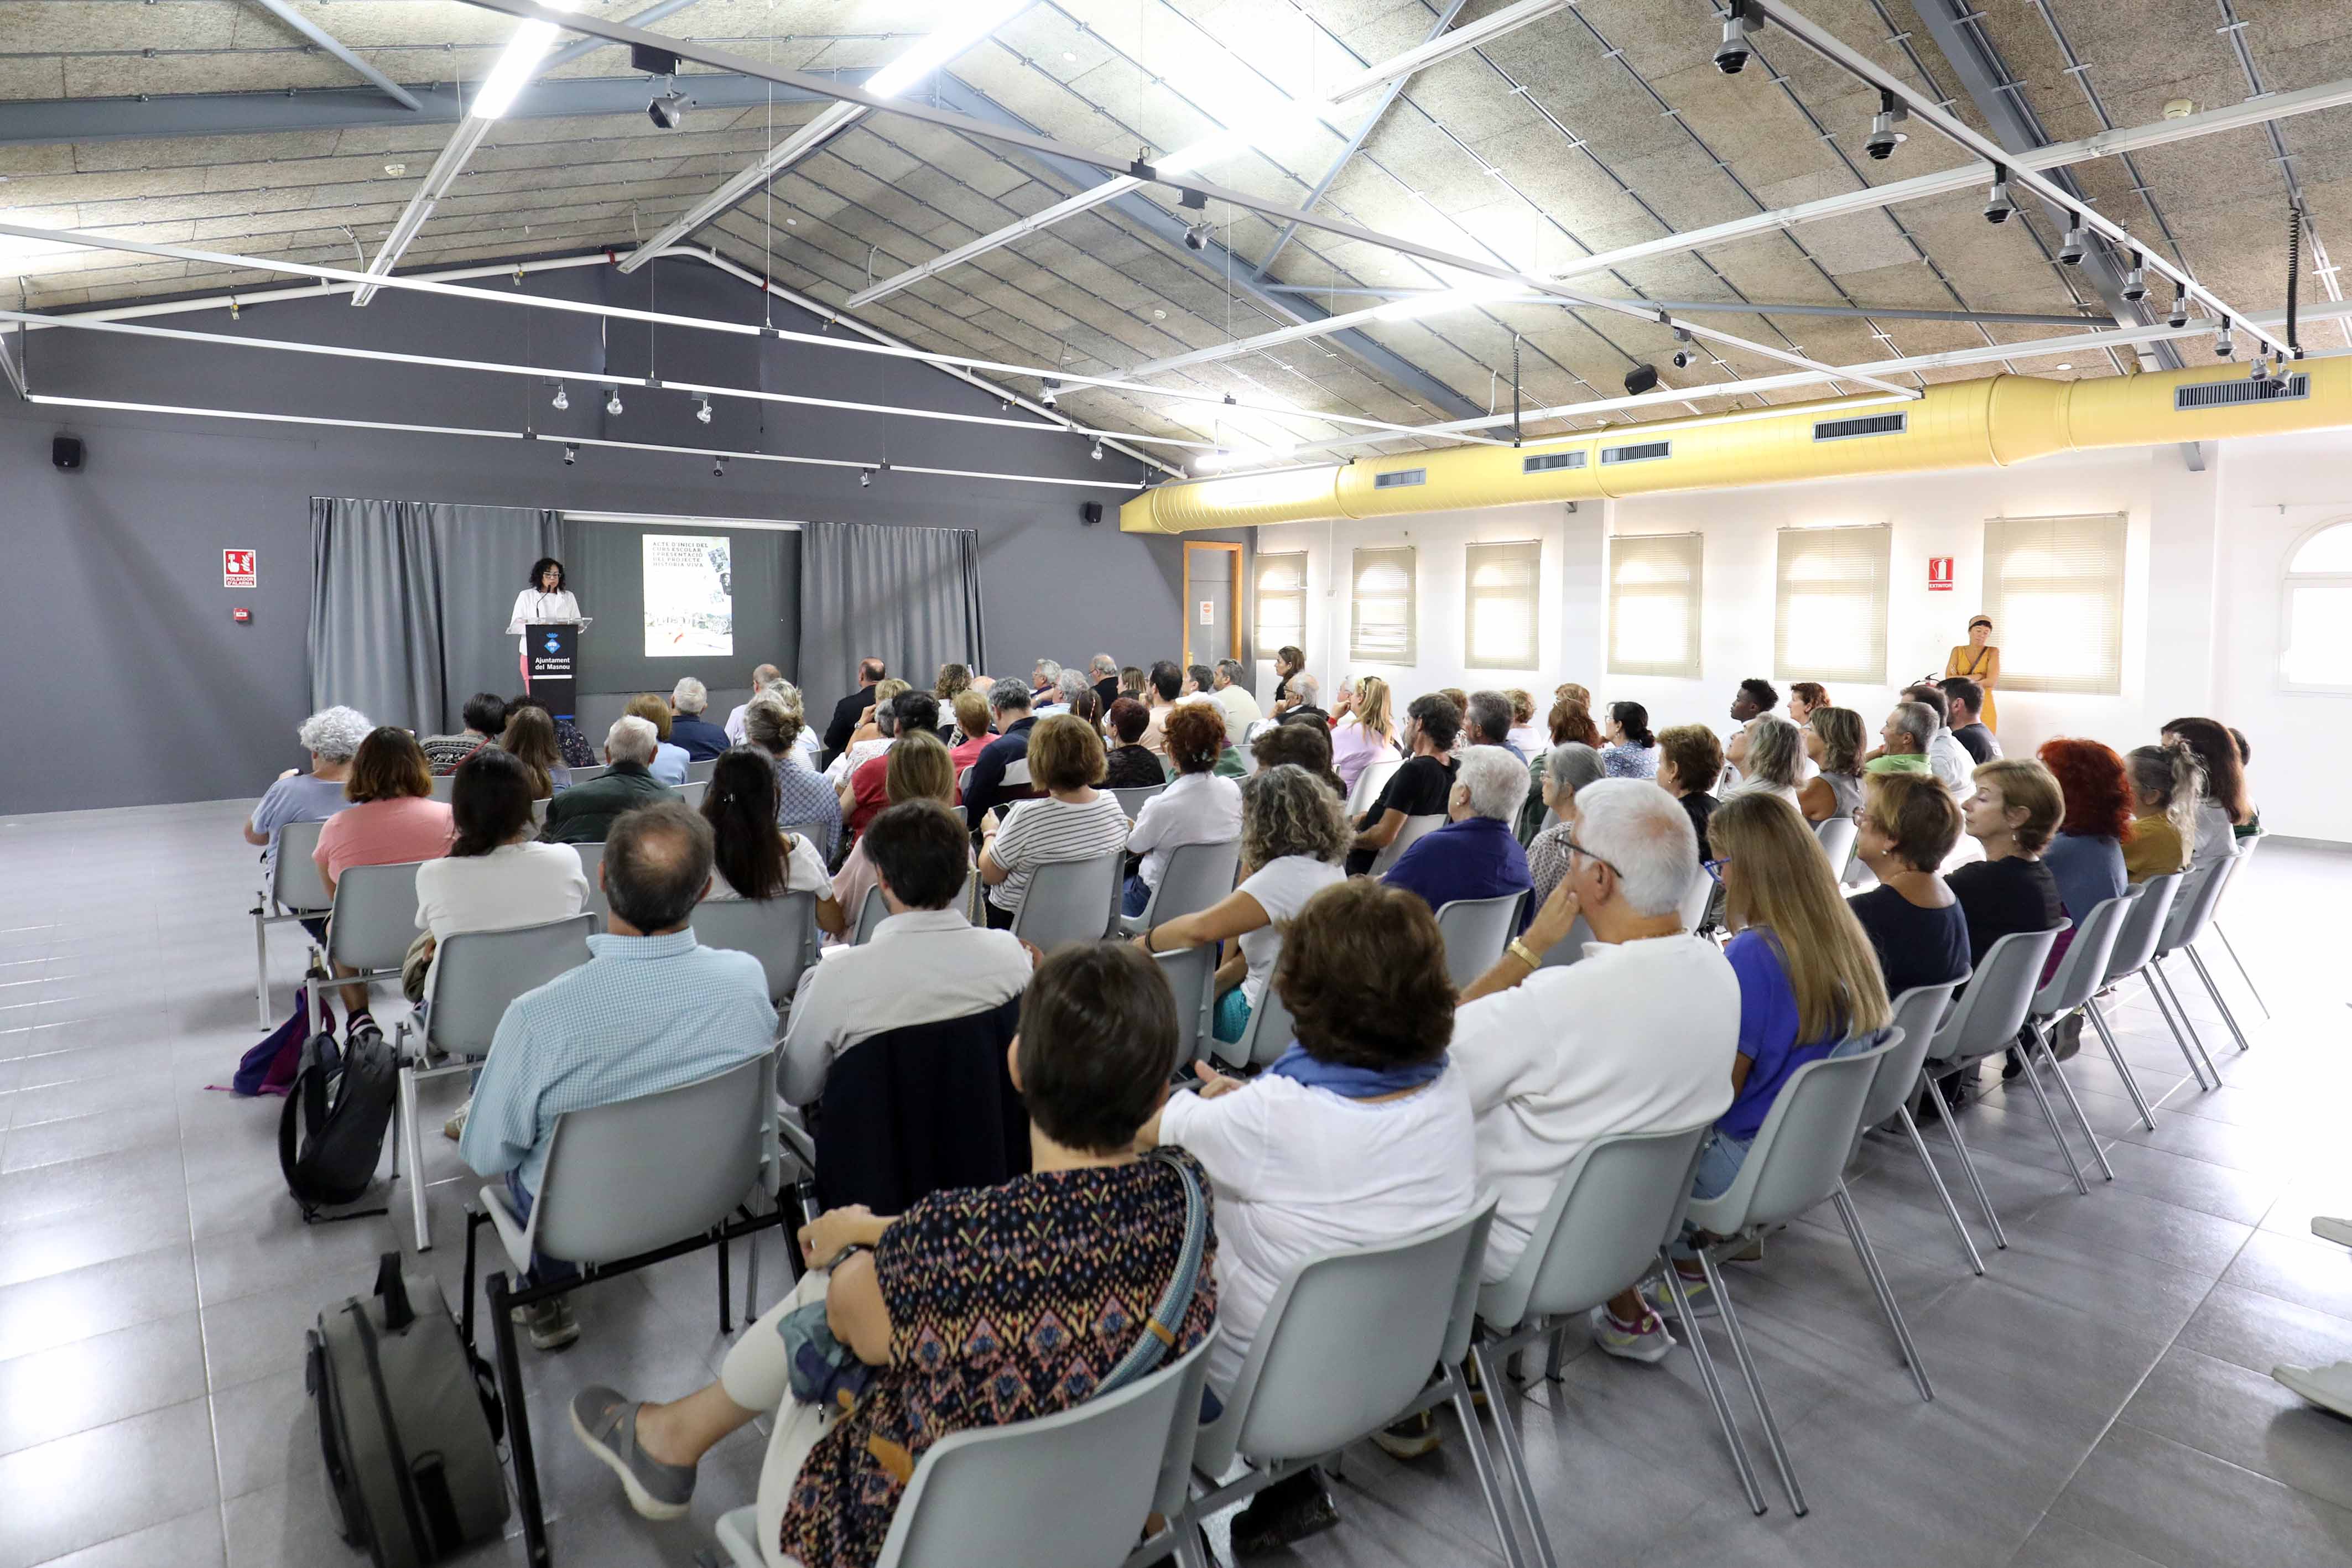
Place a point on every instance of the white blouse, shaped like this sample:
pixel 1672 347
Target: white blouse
pixel 530 604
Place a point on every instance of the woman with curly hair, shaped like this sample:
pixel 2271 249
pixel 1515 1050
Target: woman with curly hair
pixel 1197 807
pixel 2086 858
pixel 2224 806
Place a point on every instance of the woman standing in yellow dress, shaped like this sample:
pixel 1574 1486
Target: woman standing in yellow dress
pixel 1980 661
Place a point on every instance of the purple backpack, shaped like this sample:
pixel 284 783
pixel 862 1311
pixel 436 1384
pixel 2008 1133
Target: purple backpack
pixel 269 1067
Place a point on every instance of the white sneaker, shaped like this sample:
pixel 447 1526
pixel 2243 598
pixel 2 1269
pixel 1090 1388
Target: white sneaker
pixel 1661 1301
pixel 2330 1387
pixel 1647 1344
pixel 455 1127
pixel 2330 1229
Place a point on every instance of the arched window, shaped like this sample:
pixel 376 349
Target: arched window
pixel 2316 648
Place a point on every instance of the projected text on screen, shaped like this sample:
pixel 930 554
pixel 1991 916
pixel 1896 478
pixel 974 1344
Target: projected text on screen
pixel 689 595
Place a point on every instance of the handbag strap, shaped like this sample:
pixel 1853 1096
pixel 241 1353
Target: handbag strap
pixel 1159 1335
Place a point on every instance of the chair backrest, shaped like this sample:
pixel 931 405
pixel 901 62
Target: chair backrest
pixel 1016 774
pixel 870 913
pixel 375 916
pixel 1599 1232
pixel 1837 836
pixel 1916 1013
pixel 583 775
pixel 963 781
pixel 780 932
pixel 1408 830
pixel 1188 970
pixel 1568 949
pixel 812 832
pixel 1348 1342
pixel 2193 906
pixel 1195 877
pixel 1798 1156
pixel 477 973
pixel 1131 800
pixel 2143 926
pixel 1069 901
pixel 1696 898
pixel 1991 1008
pixel 591 866
pixel 692 791
pixel 294 879
pixel 2083 968
pixel 1476 931
pixel 1268 1032
pixel 616 1184
pixel 699 772
pixel 539 809
pixel 1066 1491
pixel 444 786
pixel 1370 782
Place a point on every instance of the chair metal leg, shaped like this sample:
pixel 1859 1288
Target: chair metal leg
pixel 414 1142
pixel 2188 1052
pixel 2231 948
pixel 2033 1077
pixel 1556 1355
pixel 518 1413
pixel 1483 1462
pixel 2050 1057
pixel 1514 1458
pixel 725 1302
pixel 261 968
pixel 2115 1054
pixel 2198 964
pixel 1755 1383
pixel 1969 1168
pixel 1951 1209
pixel 1862 1249
pixel 2196 1036
pixel 752 1283
pixel 1739 1460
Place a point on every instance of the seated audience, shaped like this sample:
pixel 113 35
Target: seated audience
pixel 1103 670
pixel 1044 686
pixel 907 714
pixel 2165 782
pixel 670 760
pixel 1566 769
pixel 915 770
pixel 583 814
pixel 1287 661
pixel 850 711
pixel 391 819
pixel 1200 684
pixel 1907 826
pixel 1474 855
pixel 1571 719
pixel 973 729
pixel 868 740
pixel 485 718
pixel 1947 759
pixel 529 739
pixel 949 683
pixel 1569 722
pixel 1808 980
pixel 1804 696
pixel 1769 766
pixel 1073 692
pixel 651 1009
pixel 1487 722
pixel 1305 691
pixel 1358 1135
pixel 1632 751
pixel 762 678
pixel 1165 684
pixel 497 875
pixel 1132 682
pixel 572 747
pixel 1130 765
pixel 2223 806
pixel 1196 808
pixel 1690 760
pixel 1834 740
pixel 332 737
pixel 1753 698
pixel 1418 789
pixel 1306 745
pixel 1902 740
pixel 2016 808
pixel 978 1307
pixel 802 797
pixel 1241 710
pixel 1964 711
pixel 1459 697
pixel 751 857
pixel 2086 858
pixel 1366 736
pixel 1524 737
pixel 1008 705
pixel 1072 822
pixel 701 739
pixel 1293 833
pixel 1569 691
pixel 2251 828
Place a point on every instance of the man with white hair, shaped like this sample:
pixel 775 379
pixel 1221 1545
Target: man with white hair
pixel 762 678
pixel 1105 670
pixel 331 737
pixel 1305 691
pixel 584 813
pixel 1045 685
pixel 1068 687
pixel 702 738
pixel 1475 854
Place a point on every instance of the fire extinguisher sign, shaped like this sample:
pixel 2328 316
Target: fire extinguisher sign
pixel 1939 574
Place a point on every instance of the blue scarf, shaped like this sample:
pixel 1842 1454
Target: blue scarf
pixel 1353 1082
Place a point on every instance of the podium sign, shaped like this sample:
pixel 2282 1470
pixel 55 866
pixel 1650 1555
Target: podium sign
pixel 549 647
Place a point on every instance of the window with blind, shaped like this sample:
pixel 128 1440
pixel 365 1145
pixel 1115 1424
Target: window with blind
pixel 2317 641
pixel 1281 602
pixel 1381 607
pixel 1500 601
pixel 1654 605
pixel 2055 589
pixel 1829 622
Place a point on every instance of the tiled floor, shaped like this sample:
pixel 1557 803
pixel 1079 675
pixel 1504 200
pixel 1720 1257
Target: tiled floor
pixel 2103 1397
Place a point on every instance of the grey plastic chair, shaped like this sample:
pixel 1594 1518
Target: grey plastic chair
pixel 296 892
pixel 1065 1490
pixel 1476 930
pixel 1797 1162
pixel 1984 1022
pixel 692 792
pixel 2192 911
pixel 2080 972
pixel 2143 928
pixel 1070 901
pixel 1568 949
pixel 1838 836
pixel 1189 971
pixel 444 786
pixel 2246 848
pixel 1345 1348
pixel 591 866
pixel 1263 1038
pixel 1916 1012
pixel 1370 782
pixel 780 932
pixel 374 922
pixel 1131 800
pixel 871 913
pixel 475 976
pixel 1196 876
pixel 583 775
pixel 1408 831
pixel 1695 899
pixel 539 811
pixel 699 772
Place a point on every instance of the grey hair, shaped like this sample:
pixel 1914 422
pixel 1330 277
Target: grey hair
pixel 1231 669
pixel 1490 716
pixel 689 696
pixel 1574 763
pixel 1917 720
pixel 1773 748
pixel 1645 835
pixel 1306 688
pixel 631 740
pixel 1496 781
pixel 774 718
pixel 1103 665
pixel 1286 811
pixel 1008 693
pixel 1072 686
pixel 1051 670
pixel 334 733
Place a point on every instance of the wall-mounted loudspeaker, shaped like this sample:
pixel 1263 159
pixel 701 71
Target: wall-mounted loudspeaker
pixel 65 451
pixel 1090 513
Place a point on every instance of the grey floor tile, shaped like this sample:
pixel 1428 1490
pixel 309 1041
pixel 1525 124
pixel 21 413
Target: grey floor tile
pixel 143 1177
pixel 91 1382
pixel 191 1541
pixel 2189 1510
pixel 2304 1269
pixel 2056 1545
pixel 267 1435
pixel 2259 1332
pixel 59 1308
pixel 79 1137
pixel 282 1252
pixel 260 1336
pixel 94 1486
pixel 40 1247
pixel 2248 1419
pixel 2121 1221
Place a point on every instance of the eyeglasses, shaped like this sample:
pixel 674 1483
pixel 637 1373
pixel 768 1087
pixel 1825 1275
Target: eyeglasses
pixel 1715 868
pixel 1575 848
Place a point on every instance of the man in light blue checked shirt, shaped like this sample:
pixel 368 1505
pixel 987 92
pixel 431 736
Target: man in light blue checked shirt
pixel 651 1009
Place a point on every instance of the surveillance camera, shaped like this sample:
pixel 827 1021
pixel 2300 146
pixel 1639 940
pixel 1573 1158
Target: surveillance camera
pixel 2134 287
pixel 571 454
pixel 1682 359
pixel 2179 315
pixel 1197 237
pixel 1052 395
pixel 2075 245
pixel 667 110
pixel 1732 57
pixel 1883 138
pixel 1998 206
pixel 2225 346
pixel 864 477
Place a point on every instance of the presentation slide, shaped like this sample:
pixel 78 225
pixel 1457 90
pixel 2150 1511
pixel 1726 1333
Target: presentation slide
pixel 689 596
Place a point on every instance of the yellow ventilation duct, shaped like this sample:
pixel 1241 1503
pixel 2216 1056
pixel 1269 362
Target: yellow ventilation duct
pixel 1996 422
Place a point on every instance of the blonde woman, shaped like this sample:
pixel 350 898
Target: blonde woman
pixel 1775 747
pixel 917 769
pixel 2166 782
pixel 1366 734
pixel 1833 739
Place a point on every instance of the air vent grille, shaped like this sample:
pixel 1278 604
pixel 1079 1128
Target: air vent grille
pixel 1865 424
pixel 2230 393
pixel 1399 479
pixel 1647 451
pixel 1545 461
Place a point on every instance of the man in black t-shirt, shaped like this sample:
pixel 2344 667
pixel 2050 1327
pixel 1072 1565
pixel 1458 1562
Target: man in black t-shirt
pixel 1418 789
pixel 1966 698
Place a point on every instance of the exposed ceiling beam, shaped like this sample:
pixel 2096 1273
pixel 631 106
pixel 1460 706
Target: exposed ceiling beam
pixel 1729 307
pixel 26 122
pixel 384 84
pixel 1226 142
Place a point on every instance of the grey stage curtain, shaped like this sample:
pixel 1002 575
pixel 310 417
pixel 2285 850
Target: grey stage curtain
pixel 409 602
pixel 907 596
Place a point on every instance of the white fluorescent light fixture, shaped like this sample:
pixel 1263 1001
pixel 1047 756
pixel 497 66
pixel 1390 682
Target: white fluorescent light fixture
pixel 1459 298
pixel 506 78
pixel 944 43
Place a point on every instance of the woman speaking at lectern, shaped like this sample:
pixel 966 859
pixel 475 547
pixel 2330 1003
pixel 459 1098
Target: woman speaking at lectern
pixel 545 600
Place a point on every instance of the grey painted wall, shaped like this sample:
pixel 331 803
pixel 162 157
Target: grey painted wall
pixel 113 624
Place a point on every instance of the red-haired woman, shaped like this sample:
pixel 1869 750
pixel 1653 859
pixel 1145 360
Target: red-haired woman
pixel 2086 858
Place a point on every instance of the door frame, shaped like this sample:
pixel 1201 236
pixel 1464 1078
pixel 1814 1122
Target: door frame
pixel 1241 598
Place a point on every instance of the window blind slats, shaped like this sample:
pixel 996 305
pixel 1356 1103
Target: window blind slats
pixel 2055 589
pixel 1381 618
pixel 1829 620
pixel 1281 602
pixel 1502 597
pixel 1654 594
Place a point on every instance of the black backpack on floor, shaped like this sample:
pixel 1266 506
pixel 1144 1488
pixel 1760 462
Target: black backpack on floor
pixel 331 1133
pixel 409 1423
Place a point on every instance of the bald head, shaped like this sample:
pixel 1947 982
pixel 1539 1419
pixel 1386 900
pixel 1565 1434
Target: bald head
pixel 656 866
